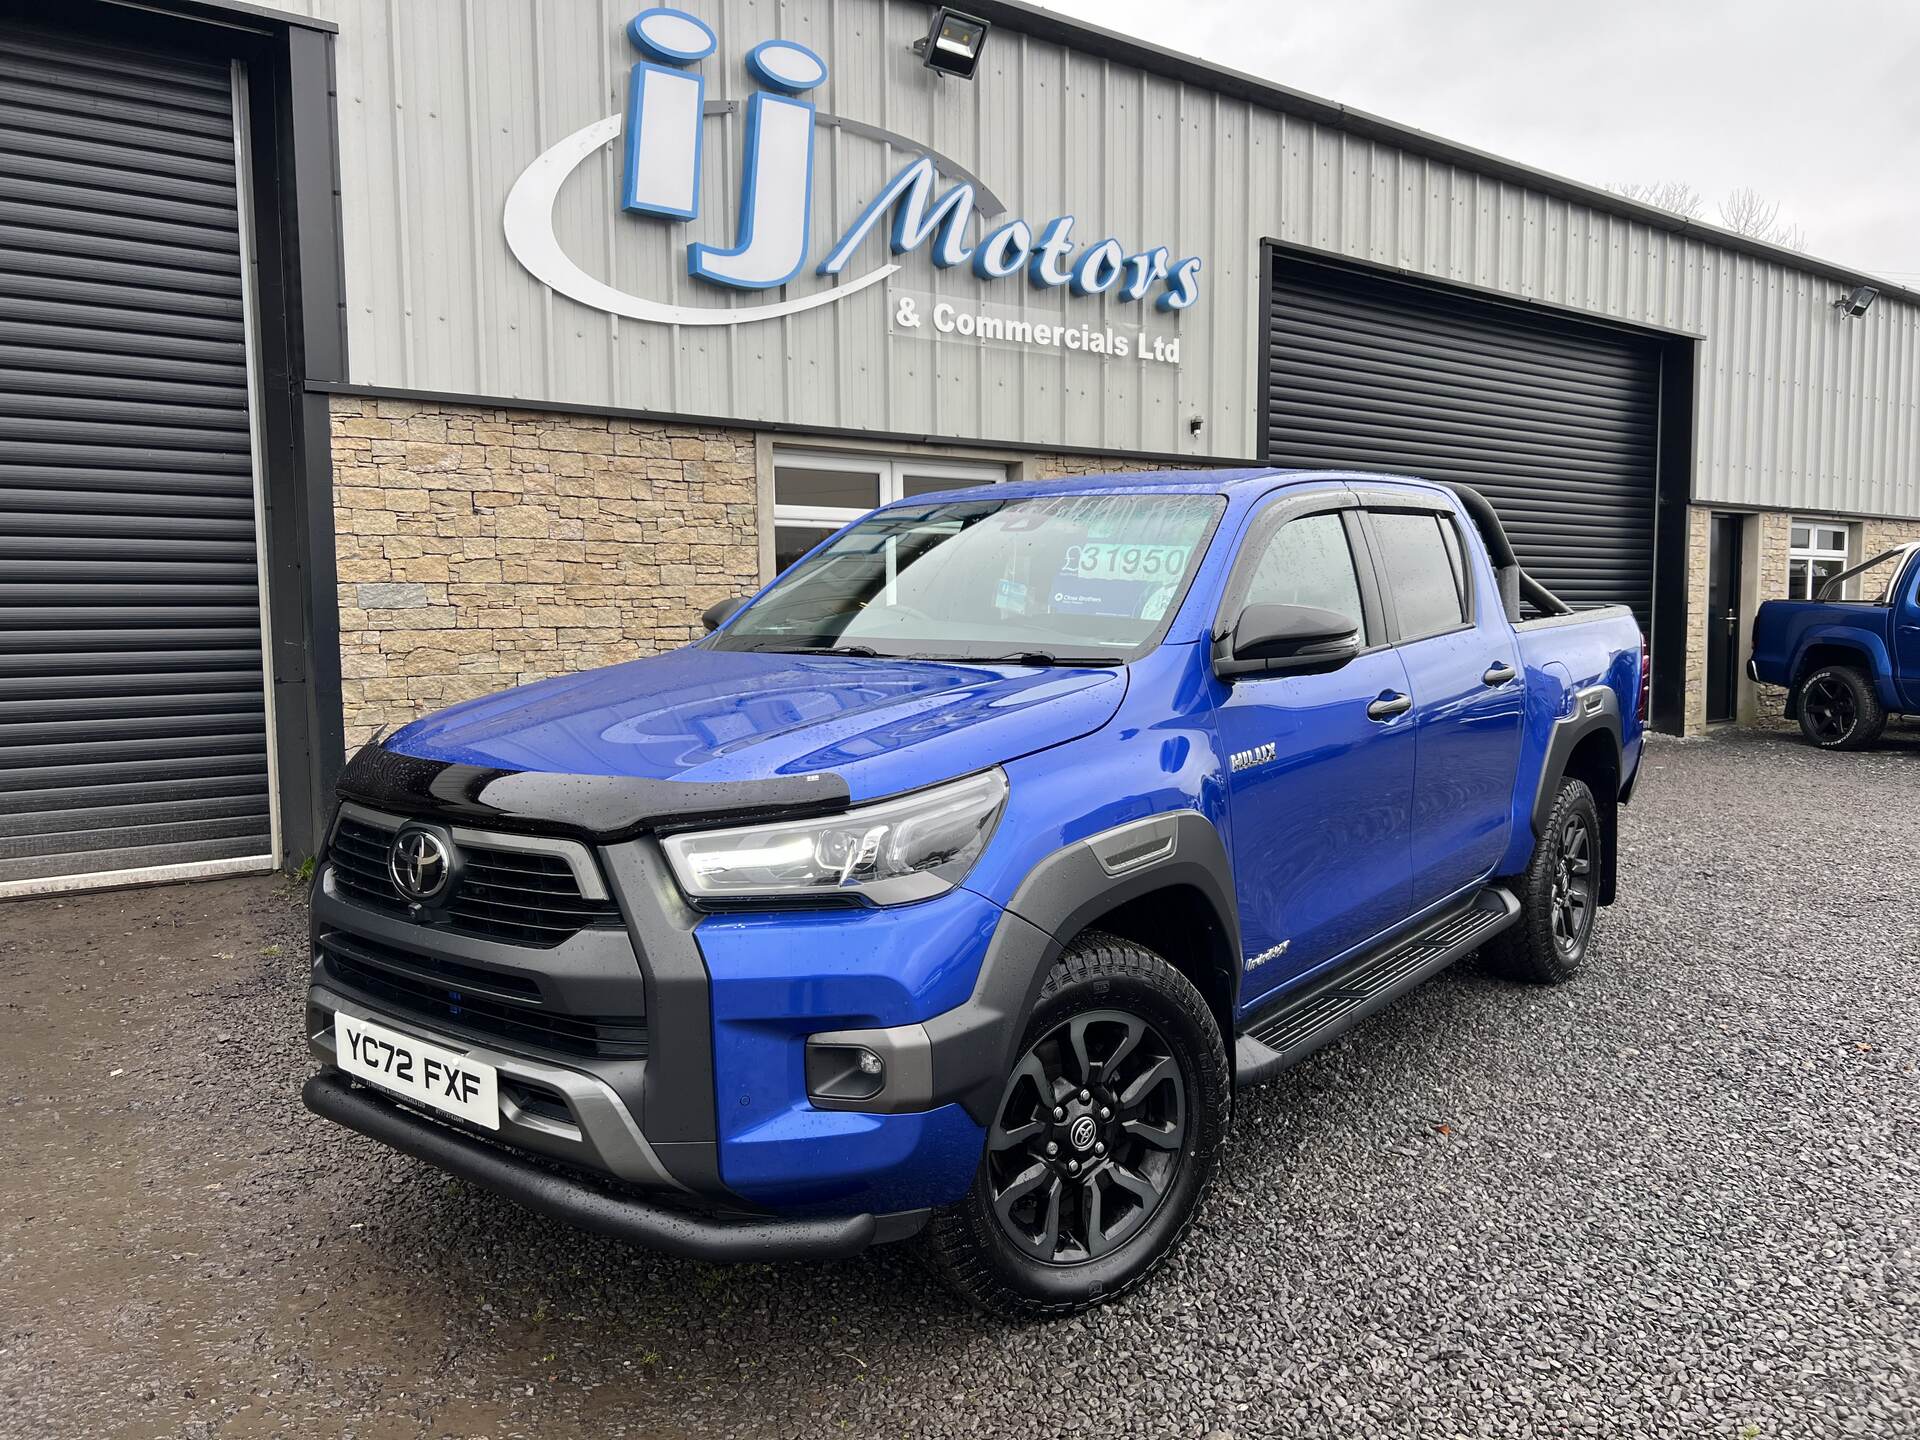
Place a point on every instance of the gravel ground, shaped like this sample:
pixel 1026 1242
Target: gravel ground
pixel 1676 1197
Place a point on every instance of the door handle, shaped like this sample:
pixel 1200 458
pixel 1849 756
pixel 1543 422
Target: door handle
pixel 1388 706
pixel 1499 673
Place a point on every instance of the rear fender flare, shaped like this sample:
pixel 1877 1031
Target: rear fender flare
pixel 1596 711
pixel 1868 652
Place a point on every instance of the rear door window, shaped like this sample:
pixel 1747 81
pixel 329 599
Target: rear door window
pixel 1423 572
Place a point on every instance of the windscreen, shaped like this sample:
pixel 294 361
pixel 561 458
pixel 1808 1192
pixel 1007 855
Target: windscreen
pixel 1086 578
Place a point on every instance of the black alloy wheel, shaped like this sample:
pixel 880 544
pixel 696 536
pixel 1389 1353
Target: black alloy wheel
pixel 1830 711
pixel 1840 709
pixel 1088 1138
pixel 1102 1141
pixel 1571 897
pixel 1559 894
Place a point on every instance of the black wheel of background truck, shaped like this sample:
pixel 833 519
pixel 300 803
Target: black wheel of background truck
pixel 1104 1141
pixel 1558 892
pixel 1839 709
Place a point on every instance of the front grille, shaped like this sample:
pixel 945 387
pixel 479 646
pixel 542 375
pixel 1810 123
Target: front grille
pixel 511 895
pixel 475 1000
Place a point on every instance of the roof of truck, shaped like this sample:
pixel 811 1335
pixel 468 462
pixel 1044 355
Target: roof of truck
pixel 1177 482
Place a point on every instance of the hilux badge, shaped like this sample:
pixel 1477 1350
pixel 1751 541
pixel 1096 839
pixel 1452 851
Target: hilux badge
pixel 1247 759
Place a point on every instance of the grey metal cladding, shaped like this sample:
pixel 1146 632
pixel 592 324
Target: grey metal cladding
pixel 132 706
pixel 1556 423
pixel 444 102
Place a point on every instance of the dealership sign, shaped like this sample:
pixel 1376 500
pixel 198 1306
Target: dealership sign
pixel 929 317
pixel 662 127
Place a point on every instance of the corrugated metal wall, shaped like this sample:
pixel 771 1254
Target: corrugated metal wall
pixel 443 102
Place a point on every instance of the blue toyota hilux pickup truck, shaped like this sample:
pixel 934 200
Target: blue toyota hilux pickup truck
pixel 1846 664
pixel 955 884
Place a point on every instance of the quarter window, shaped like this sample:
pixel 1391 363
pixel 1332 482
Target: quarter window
pixel 1423 572
pixel 815 493
pixel 1308 562
pixel 1817 553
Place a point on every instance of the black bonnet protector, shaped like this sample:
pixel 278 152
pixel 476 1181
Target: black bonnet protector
pixel 601 807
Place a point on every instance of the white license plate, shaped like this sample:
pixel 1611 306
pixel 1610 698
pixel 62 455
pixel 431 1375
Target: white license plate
pixel 425 1074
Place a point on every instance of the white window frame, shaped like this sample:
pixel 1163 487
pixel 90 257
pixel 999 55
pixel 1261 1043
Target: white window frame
pixel 1829 540
pixel 888 470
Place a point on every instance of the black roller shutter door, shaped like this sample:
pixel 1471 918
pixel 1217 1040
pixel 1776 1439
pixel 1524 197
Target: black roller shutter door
pixel 1557 422
pixel 132 703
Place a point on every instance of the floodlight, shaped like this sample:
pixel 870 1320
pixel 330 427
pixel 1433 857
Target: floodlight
pixel 1857 301
pixel 953 45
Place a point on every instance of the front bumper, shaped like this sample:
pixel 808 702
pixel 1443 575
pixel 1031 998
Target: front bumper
pixel 713 1113
pixel 580 1203
pixel 559 1111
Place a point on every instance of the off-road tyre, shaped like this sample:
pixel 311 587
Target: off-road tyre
pixel 1559 899
pixel 1098 988
pixel 1839 709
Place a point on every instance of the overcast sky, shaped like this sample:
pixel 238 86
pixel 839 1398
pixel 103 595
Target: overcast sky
pixel 1815 104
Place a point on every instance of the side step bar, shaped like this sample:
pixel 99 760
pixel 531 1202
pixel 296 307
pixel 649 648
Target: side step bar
pixel 1285 1034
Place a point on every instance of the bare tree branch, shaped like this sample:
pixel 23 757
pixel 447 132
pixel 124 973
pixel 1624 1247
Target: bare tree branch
pixel 1675 195
pixel 1744 211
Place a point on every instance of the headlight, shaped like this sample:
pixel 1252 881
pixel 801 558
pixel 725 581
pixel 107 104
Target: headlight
pixel 912 848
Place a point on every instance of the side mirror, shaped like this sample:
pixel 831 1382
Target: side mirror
pixel 1285 639
pixel 717 614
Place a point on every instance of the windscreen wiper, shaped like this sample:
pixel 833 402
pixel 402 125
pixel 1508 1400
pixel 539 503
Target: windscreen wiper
pixel 1013 657
pixel 865 652
pixel 1034 657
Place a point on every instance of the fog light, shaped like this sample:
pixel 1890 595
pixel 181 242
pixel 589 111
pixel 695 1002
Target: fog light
pixel 844 1072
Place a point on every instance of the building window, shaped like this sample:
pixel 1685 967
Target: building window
pixel 816 492
pixel 1818 552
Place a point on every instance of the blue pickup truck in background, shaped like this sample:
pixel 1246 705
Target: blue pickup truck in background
pixel 1846 664
pixel 955 884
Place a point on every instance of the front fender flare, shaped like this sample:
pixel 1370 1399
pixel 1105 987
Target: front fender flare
pixel 974 1045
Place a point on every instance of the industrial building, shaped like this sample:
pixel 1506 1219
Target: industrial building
pixel 359 356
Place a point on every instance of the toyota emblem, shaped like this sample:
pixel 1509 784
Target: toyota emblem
pixel 420 864
pixel 1080 1134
